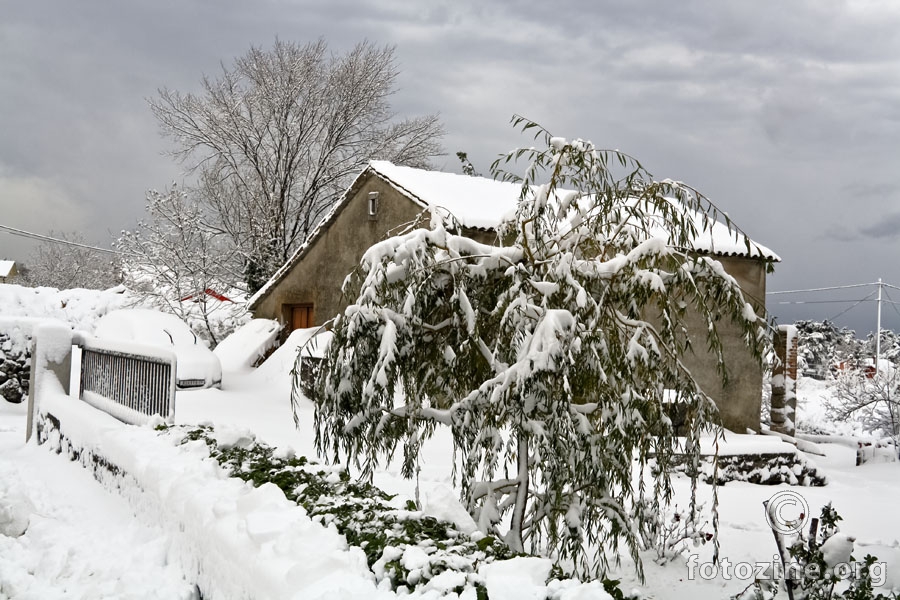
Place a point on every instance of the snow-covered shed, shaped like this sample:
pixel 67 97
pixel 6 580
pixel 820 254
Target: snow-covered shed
pixel 8 270
pixel 306 291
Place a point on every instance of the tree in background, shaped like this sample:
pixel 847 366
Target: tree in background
pixel 552 358
pixel 467 167
pixel 71 265
pixel 870 399
pixel 277 138
pixel 821 346
pixel 172 258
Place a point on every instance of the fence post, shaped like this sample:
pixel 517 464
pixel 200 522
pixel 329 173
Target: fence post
pixel 783 413
pixel 51 366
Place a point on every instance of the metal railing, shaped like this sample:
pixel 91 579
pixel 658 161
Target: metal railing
pixel 129 382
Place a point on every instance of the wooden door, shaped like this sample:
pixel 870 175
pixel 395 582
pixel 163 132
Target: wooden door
pixel 302 316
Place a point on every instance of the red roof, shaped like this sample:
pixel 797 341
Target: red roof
pixel 209 292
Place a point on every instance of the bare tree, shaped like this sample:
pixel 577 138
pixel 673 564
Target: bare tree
pixel 172 259
pixel 71 263
pixel 276 139
pixel 873 402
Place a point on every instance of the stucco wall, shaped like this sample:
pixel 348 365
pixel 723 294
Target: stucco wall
pixel 318 277
pixel 738 400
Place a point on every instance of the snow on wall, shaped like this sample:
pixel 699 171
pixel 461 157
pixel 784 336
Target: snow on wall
pixel 243 348
pixel 235 541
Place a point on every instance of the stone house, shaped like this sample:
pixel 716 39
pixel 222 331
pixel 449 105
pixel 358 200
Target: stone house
pixel 8 270
pixel 306 291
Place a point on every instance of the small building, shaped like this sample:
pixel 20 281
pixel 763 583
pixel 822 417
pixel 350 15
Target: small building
pixel 8 270
pixel 306 291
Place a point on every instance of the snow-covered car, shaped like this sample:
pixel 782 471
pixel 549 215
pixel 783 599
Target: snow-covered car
pixel 197 367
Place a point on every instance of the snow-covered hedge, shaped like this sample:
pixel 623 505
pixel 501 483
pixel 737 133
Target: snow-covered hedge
pixel 762 469
pixel 404 548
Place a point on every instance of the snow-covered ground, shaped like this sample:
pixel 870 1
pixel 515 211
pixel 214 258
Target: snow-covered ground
pixel 81 541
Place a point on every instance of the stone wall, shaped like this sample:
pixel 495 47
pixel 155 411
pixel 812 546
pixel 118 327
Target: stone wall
pixel 15 369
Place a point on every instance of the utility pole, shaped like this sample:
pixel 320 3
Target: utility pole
pixel 878 330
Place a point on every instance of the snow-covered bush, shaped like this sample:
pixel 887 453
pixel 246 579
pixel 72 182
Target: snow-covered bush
pixel 404 548
pixel 672 533
pixel 761 469
pixel 820 565
pixel 78 308
pixel 552 356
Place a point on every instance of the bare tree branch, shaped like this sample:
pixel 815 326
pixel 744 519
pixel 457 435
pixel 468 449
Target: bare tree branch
pixel 279 135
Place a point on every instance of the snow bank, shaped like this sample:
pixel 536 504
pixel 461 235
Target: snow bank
pixel 242 349
pixel 739 444
pixel 282 360
pixel 20 331
pixel 79 308
pixel 234 540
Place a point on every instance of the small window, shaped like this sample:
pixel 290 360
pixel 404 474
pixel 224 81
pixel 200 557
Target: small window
pixel 373 205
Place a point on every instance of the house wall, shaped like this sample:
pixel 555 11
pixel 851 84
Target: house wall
pixel 740 398
pixel 10 275
pixel 317 278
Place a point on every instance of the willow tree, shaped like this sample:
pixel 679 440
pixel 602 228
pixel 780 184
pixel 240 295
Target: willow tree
pixel 551 356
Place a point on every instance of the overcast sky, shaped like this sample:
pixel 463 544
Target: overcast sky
pixel 786 114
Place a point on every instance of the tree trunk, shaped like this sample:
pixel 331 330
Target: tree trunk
pixel 514 537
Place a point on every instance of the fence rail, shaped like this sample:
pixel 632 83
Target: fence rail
pixel 130 383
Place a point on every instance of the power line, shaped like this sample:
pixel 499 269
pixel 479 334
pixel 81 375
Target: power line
pixel 891 302
pixel 849 308
pixel 825 289
pixel 47 238
pixel 866 299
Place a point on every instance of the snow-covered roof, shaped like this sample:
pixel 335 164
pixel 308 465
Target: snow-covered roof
pixel 6 267
pixel 474 201
pixel 485 203
pixel 482 203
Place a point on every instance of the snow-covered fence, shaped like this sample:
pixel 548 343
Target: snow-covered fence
pixel 131 382
pixel 51 366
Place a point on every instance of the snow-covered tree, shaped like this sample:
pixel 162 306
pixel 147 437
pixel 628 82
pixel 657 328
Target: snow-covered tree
pixel 821 346
pixel 277 138
pixel 890 346
pixel 172 256
pixel 872 401
pixel 552 356
pixel 76 264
